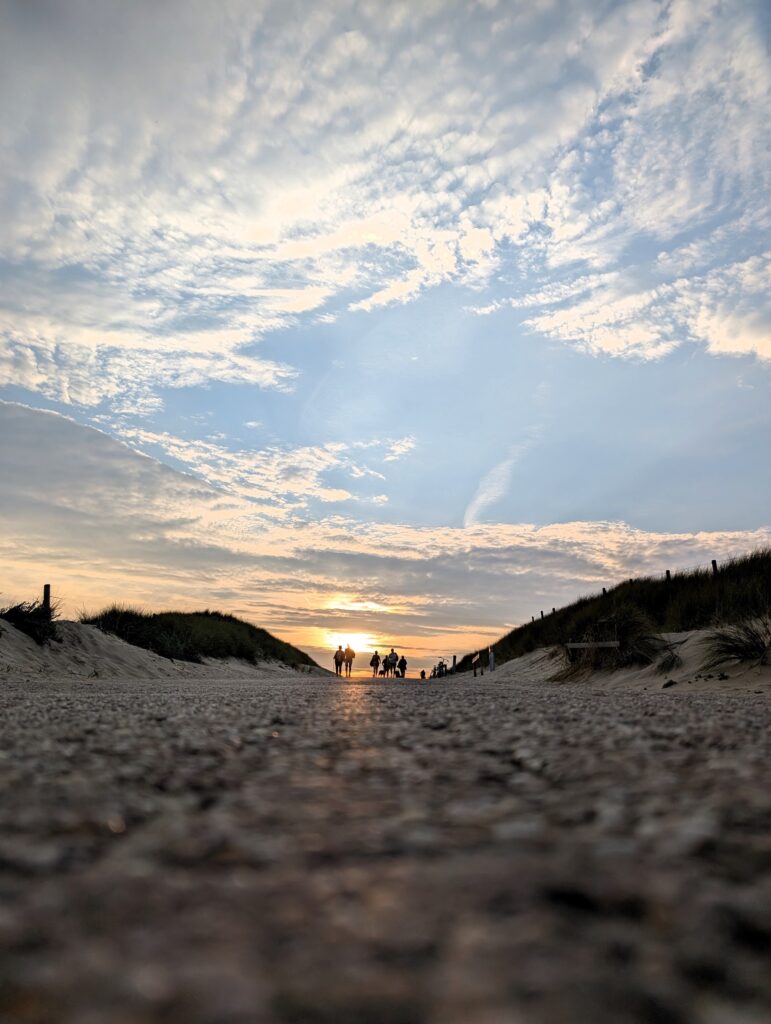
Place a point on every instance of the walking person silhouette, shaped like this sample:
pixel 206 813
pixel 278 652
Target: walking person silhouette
pixel 349 654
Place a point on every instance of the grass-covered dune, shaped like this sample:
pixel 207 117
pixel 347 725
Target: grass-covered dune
pixel 193 636
pixel 698 599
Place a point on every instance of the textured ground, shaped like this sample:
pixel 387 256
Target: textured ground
pixel 472 852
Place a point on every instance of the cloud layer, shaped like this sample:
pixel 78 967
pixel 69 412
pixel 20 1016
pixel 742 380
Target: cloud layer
pixel 182 180
pixel 135 530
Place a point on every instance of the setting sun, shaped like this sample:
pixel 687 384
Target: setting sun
pixel 361 642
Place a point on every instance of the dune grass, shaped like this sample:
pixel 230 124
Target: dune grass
pixel 193 636
pixel 748 641
pixel 698 599
pixel 34 619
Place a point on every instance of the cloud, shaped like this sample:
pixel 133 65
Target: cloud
pixel 398 449
pixel 494 484
pixel 182 184
pixel 109 523
pixel 279 480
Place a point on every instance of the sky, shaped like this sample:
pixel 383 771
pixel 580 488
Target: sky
pixel 391 323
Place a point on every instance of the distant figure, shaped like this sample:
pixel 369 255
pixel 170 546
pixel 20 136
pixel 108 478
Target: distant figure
pixel 393 657
pixel 350 654
pixel 422 673
pixel 491 659
pixel 433 672
pixel 339 659
pixel 375 663
pixel 402 663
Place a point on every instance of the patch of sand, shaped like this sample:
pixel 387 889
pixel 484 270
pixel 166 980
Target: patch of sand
pixel 540 666
pixel 85 652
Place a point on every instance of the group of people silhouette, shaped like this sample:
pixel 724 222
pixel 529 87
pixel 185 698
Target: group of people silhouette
pixel 388 665
pixel 392 666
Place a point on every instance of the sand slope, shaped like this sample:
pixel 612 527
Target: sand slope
pixel 86 652
pixel 541 665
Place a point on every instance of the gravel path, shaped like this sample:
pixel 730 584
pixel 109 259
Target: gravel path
pixel 216 852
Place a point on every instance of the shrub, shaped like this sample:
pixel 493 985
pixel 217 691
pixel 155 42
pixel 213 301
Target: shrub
pixel 744 641
pixel 638 644
pixel 34 619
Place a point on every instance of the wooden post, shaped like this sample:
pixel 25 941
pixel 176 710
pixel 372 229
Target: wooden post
pixel 669 575
pixel 714 567
pixel 532 618
pixel 631 581
pixel 553 610
pixel 604 592
pixel 542 613
pixel 47 597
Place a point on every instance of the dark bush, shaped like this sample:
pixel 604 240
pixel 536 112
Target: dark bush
pixel 34 619
pixel 193 636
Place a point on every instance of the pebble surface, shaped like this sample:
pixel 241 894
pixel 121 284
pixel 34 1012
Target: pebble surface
pixel 463 852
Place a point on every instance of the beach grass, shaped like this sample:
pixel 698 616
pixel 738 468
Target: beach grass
pixel 193 636
pixel 33 618
pixel 748 641
pixel 740 592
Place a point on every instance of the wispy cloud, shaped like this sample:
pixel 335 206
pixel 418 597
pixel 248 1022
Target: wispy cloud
pixel 494 484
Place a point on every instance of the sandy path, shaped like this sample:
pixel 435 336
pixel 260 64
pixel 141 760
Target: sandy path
pixel 221 852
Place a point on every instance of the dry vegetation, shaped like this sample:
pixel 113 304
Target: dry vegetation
pixel 640 610
pixel 33 618
pixel 193 636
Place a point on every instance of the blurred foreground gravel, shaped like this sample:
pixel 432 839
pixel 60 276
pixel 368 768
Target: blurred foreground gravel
pixel 475 852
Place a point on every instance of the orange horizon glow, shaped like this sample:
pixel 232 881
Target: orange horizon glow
pixel 76 591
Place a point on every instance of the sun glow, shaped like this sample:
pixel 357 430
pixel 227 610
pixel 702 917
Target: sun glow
pixel 362 643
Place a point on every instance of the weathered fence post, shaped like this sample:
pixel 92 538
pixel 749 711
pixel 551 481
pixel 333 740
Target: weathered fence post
pixel 714 567
pixel 542 613
pixel 669 575
pixel 604 592
pixel 47 598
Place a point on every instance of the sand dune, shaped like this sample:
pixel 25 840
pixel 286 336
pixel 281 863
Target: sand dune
pixel 690 676
pixel 86 652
